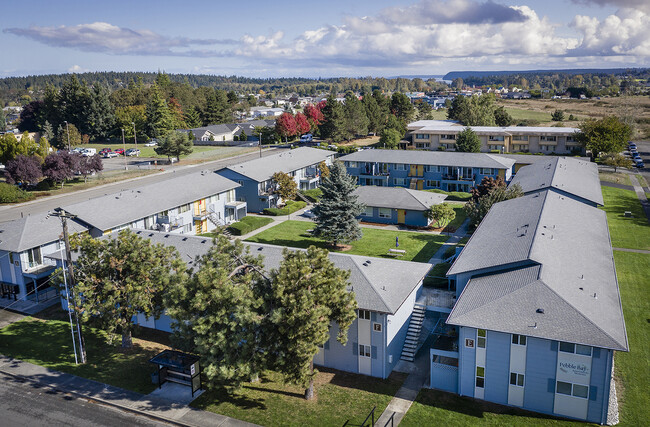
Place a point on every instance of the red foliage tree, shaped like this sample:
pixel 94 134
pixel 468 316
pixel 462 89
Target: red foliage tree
pixel 285 125
pixel 314 114
pixel 60 166
pixel 302 124
pixel 24 170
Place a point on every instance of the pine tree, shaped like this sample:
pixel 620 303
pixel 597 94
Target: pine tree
pixel 218 313
pixel 217 109
pixel 374 114
pixel 3 120
pixel 48 131
pixel 193 118
pixel 468 141
pixel 308 295
pixel 356 120
pixel 338 208
pixel 101 114
pixel 74 102
pixel 175 144
pixel 159 120
pixel 333 124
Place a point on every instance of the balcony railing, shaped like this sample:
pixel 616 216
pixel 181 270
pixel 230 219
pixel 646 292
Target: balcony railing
pixel 458 177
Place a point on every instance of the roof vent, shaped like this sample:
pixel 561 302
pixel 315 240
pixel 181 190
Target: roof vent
pixel 582 276
pixel 203 241
pixel 166 235
pixel 150 234
pixel 365 264
pixel 138 232
pixel 260 248
pixel 383 288
pixel 540 311
pixel 595 296
pixel 582 289
pixel 184 239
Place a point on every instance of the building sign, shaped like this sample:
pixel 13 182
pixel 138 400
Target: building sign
pixel 469 342
pixel 573 368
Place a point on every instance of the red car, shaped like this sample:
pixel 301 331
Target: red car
pixel 120 151
pixel 104 150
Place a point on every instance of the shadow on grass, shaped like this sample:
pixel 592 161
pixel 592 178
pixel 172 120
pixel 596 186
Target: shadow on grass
pixel 433 243
pixel 222 396
pixel 365 383
pixel 474 408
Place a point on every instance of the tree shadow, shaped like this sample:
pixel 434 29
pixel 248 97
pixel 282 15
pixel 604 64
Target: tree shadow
pixel 366 383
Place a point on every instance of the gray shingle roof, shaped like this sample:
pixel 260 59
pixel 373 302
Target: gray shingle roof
pixel 380 285
pixel 562 258
pixel 530 159
pixel 34 230
pixel 438 158
pixel 398 198
pixel 262 169
pixel 116 209
pixel 576 177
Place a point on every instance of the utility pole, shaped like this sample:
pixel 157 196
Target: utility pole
pixel 135 138
pixel 64 217
pixel 67 130
pixel 124 152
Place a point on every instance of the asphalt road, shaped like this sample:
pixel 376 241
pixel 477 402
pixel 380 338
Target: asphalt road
pixel 8 213
pixel 644 151
pixel 26 404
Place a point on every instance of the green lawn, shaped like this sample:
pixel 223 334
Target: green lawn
pixel 520 114
pixel 419 247
pixel 340 397
pixel 199 151
pixel 632 369
pixel 616 177
pixel 461 216
pixel 248 224
pixel 48 343
pixel 632 233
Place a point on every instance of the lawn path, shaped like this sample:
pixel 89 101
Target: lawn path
pixel 641 195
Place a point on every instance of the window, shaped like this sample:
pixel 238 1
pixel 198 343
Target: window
pixel 486 171
pixel 567 347
pixel 419 145
pixel 421 136
pixel 519 339
pixel 184 208
pixel 576 390
pixel 482 338
pixel 570 139
pixel 364 350
pixel 385 213
pixel 34 256
pixel 367 211
pixel 187 228
pixel 400 167
pixel 453 137
pixel 352 164
pixel 547 138
pixel 399 181
pixel 516 379
pixel 494 147
pixel 480 376
pixel 584 350
pixel 11 257
pixel 376 327
pixel 364 314
pixel 520 137
pixel 495 138
pixel 433 183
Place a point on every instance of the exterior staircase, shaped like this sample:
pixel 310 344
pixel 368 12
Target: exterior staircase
pixel 413 333
pixel 303 197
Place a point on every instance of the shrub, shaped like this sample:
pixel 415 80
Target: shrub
pixel 248 224
pixel 458 196
pixel 290 207
pixel 12 194
pixel 313 195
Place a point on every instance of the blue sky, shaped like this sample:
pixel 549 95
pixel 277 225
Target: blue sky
pixel 327 38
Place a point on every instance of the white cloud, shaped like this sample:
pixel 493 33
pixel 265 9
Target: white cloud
pixel 77 69
pixel 625 33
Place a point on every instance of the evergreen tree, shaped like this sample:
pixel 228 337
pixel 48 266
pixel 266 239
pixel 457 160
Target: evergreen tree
pixel 374 114
pixel 356 120
pixel 101 114
pixel 193 118
pixel 468 141
pixel 401 107
pixel 74 103
pixel 333 124
pixel 175 144
pixel 308 295
pixel 159 119
pixel 218 313
pixel 336 212
pixel 3 120
pixel 502 117
pixel 48 131
pixel 217 109
pixel 117 279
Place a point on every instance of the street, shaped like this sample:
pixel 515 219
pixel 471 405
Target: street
pixel 26 404
pixel 644 151
pixel 11 212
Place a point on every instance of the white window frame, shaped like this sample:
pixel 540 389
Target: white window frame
pixel 364 314
pixel 368 211
pixel 519 339
pixel 383 214
pixel 519 379
pixel 364 351
pixel 477 377
pixel 481 338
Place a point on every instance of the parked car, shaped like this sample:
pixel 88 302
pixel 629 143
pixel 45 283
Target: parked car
pixel 151 143
pixel 132 152
pixel 88 152
pixel 308 214
pixel 636 156
pixel 640 165
pixel 109 154
pixel 306 138
pixel 105 150
pixel 119 151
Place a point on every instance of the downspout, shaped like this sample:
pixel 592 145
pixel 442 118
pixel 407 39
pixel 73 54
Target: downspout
pixel 384 346
pixel 607 391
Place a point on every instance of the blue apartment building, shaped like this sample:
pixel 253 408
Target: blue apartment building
pixel 420 170
pixel 255 176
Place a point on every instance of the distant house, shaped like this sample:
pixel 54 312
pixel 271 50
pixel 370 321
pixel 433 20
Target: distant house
pixel 255 176
pixel 24 245
pixel 396 205
pixel 225 132
pixel 262 112
pixel 189 204
pixel 248 128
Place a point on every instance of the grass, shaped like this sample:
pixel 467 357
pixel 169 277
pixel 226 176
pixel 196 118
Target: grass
pixel 461 216
pixel 47 342
pixel 451 410
pixel 634 400
pixel 521 114
pixel 340 397
pixel 12 194
pixel 419 247
pixel 314 194
pixel 458 196
pixel 290 207
pixel 248 224
pixel 198 150
pixel 632 233
pixel 615 177
pixel 642 180
pixel 435 278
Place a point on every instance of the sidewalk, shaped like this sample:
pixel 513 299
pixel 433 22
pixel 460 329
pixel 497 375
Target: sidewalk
pixel 437 258
pixel 641 195
pixel 150 406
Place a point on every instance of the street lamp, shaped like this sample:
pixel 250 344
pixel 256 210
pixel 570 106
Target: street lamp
pixel 67 130
pixel 124 152
pixel 135 138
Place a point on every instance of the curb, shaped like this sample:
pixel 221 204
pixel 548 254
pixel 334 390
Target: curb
pixel 100 401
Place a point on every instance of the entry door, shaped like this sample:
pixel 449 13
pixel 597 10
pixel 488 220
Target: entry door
pixel 413 170
pixel 401 216
pixel 420 170
pixel 420 184
pixel 197 226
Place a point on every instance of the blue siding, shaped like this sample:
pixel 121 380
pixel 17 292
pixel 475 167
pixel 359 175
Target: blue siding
pixel 599 385
pixel 343 357
pixel 541 363
pixel 497 367
pixel 414 218
pixel 377 346
pixel 466 362
pixel 248 192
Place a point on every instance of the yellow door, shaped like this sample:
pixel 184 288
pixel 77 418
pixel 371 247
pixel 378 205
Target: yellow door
pixel 413 170
pixel 204 225
pixel 420 170
pixel 502 173
pixel 420 184
pixel 197 225
pixel 197 209
pixel 401 216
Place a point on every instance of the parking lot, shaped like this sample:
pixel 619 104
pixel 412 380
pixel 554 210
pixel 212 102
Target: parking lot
pixel 643 147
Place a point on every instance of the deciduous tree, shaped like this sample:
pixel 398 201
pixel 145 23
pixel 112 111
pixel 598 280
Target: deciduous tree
pixel 390 139
pixel 336 212
pixel 120 278
pixel 286 185
pixel 617 160
pixel 60 166
pixel 302 124
pixel 24 170
pixel 308 295
pixel 314 115
pixel 477 209
pixel 285 126
pixel 89 165
pixel 607 135
pixel 441 214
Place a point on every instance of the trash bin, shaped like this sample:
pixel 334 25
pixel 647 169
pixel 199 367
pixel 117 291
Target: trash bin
pixel 154 378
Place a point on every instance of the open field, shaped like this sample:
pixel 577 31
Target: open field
pixel 419 247
pixel 201 152
pixel 340 396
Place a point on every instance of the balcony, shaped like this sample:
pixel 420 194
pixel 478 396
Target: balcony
pixel 452 177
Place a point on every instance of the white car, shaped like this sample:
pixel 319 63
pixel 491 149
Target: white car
pixel 110 154
pixel 151 143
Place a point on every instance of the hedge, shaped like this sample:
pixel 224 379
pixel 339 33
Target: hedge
pixel 290 207
pixel 12 194
pixel 458 196
pixel 314 194
pixel 248 224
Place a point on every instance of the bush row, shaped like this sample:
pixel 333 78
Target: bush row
pixel 248 224
pixel 458 196
pixel 12 194
pixel 290 207
pixel 314 195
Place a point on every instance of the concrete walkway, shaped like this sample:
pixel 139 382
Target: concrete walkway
pixel 438 257
pixel 157 408
pixel 637 251
pixel 640 193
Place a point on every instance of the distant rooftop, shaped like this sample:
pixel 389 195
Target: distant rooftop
pixel 34 230
pixel 263 169
pixel 438 158
pixel 398 198
pixel 454 127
